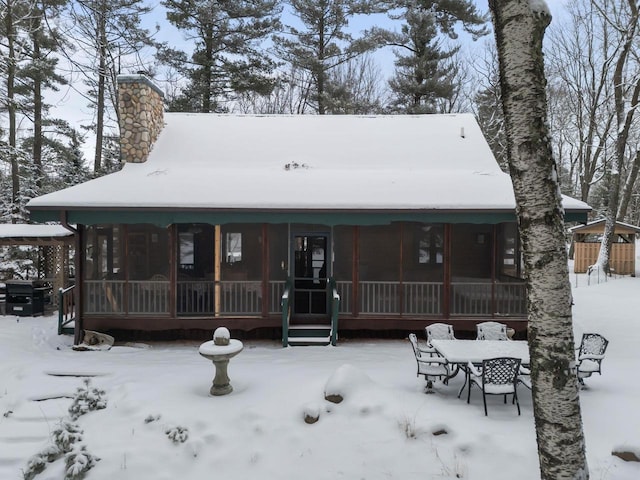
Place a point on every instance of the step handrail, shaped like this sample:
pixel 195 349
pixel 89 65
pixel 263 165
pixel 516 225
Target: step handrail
pixel 66 307
pixel 286 312
pixel 335 308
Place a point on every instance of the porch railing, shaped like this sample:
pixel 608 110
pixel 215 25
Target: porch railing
pixel 286 313
pixel 379 297
pixel 335 309
pixel 114 297
pixel 234 297
pixel 487 298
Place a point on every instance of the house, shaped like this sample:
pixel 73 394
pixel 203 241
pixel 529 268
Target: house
pixel 586 246
pixel 293 224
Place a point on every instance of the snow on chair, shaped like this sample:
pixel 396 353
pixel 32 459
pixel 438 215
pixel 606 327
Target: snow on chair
pixel 497 376
pixel 590 355
pixel 431 367
pixel 438 331
pixel 491 331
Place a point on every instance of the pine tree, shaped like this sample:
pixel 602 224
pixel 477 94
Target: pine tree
pixel 39 73
pixel 426 74
pixel 324 43
pixel 226 59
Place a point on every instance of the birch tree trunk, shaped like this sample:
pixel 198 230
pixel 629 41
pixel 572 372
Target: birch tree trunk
pixel 519 30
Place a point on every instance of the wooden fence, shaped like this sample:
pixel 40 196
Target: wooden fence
pixel 622 257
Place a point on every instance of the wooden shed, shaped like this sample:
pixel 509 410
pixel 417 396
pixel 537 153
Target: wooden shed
pixel 55 248
pixel 586 243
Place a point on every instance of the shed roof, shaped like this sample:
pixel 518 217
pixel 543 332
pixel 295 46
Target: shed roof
pixel 14 234
pixel 597 226
pixel 235 165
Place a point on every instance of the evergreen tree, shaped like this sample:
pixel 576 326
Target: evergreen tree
pixel 323 43
pixel 427 72
pixel 39 73
pixel 425 75
pixel 226 59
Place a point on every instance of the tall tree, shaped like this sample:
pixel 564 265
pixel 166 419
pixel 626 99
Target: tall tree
pixel 581 55
pixel 14 17
pixel 110 38
pixel 488 104
pixel 323 42
pixel 227 58
pixel 424 72
pixel 519 30
pixel 39 73
pixel 626 88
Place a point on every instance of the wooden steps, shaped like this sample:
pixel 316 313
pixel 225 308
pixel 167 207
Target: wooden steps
pixel 309 334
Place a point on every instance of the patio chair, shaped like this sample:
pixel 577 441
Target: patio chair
pixel 524 377
pixel 431 367
pixel 590 355
pixel 497 376
pixel 491 331
pixel 438 331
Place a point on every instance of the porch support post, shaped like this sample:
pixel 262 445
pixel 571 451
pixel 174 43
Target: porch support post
pixel 494 260
pixel 355 307
pixel 216 262
pixel 265 271
pixel 446 294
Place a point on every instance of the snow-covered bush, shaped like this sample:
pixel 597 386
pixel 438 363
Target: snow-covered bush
pixel 66 435
pixel 86 400
pixel 78 463
pixel 35 465
pixel 177 434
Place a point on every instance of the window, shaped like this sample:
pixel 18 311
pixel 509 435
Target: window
pixel 233 244
pixel 430 245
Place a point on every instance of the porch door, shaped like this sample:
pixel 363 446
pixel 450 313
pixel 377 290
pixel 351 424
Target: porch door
pixel 310 259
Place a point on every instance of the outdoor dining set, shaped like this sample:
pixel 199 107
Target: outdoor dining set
pixel 493 362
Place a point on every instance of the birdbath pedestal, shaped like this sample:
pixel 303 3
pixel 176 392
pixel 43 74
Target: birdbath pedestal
pixel 219 351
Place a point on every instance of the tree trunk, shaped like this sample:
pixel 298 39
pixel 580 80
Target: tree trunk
pixel 11 110
pixel 101 93
pixel 519 30
pixel 624 118
pixel 37 104
pixel 628 189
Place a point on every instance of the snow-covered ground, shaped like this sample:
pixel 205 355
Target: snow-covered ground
pixel 383 429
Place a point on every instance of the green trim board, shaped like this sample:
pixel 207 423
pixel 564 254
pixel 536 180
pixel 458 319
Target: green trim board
pixel 164 218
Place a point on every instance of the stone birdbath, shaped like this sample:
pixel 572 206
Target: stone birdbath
pixel 219 351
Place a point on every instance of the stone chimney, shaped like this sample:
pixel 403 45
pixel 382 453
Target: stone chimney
pixel 141 109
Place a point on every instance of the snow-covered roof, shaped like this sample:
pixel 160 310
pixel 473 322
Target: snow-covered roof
pixel 597 226
pixel 28 231
pixel 283 162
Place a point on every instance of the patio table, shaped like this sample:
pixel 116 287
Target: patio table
pixel 461 352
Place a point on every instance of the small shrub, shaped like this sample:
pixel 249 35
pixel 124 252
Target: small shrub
pixel 35 465
pixel 151 418
pixel 78 463
pixel 87 399
pixel 177 434
pixel 65 436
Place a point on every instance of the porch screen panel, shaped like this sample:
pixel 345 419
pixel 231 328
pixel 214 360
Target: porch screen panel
pixel 278 235
pixel 148 269
pixel 241 269
pixel 343 265
pixel 104 278
pixel 195 288
pixel 471 256
pixel 422 268
pixel 510 288
pixel 379 269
